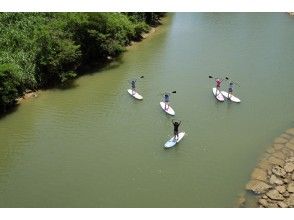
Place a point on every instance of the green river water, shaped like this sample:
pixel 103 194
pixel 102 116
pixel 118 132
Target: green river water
pixel 94 146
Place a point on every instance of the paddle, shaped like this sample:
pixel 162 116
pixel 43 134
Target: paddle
pixel 174 92
pixel 141 77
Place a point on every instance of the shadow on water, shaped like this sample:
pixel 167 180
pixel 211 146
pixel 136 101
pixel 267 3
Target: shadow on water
pixel 9 111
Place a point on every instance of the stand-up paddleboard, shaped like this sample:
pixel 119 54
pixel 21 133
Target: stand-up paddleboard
pixel 135 94
pixel 169 110
pixel 172 142
pixel 218 95
pixel 232 98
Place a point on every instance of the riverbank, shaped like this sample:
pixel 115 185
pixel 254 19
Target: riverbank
pixel 29 94
pixel 272 180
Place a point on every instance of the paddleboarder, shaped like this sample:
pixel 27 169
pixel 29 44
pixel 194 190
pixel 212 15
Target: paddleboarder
pixel 166 100
pixel 230 90
pixel 176 128
pixel 133 85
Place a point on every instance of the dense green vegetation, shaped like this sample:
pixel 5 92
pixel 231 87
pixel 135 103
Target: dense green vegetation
pixel 39 50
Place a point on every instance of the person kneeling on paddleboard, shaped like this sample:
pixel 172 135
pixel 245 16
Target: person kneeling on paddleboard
pixel 166 100
pixel 176 128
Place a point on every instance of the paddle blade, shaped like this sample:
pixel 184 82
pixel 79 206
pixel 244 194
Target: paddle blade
pixel 210 77
pixel 141 77
pixel 227 78
pixel 174 91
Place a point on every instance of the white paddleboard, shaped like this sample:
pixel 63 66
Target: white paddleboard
pixel 232 98
pixel 218 95
pixel 135 94
pixel 169 110
pixel 172 142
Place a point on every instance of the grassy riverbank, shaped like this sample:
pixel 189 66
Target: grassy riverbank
pixel 41 50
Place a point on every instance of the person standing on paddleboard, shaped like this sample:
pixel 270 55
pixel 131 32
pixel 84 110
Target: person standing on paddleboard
pixel 218 83
pixel 176 128
pixel 166 100
pixel 230 91
pixel 133 85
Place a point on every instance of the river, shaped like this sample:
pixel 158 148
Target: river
pixel 92 145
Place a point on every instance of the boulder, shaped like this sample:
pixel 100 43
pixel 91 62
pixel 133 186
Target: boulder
pixel 265 165
pixel 276 180
pixel 259 174
pixel 257 186
pixel 286 151
pixel 264 196
pixel 290 131
pixel 279 171
pixel 263 202
pixel 290 159
pixel 290 145
pixel 289 167
pixel 281 189
pixel 270 150
pixel 273 205
pixel 279 155
pixel 275 195
pixel 290 201
pixel 291 141
pixel 280 140
pixel 292 177
pixel 286 194
pixel 290 187
pixel 278 146
pixel 282 205
pixel 286 136
pixel 276 161
pixel 241 201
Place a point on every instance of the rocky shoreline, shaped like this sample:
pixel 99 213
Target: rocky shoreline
pixel 272 181
pixel 27 95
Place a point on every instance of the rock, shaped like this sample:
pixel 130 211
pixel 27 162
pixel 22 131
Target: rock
pixel 281 189
pixel 286 181
pixel 290 145
pixel 279 171
pixel 286 151
pixel 241 201
pixel 273 205
pixel 270 150
pixel 290 159
pixel 259 174
pixel 279 155
pixel 290 201
pixel 264 196
pixel 278 146
pixel 275 195
pixel 282 205
pixel 280 140
pixel 290 131
pixel 286 136
pixel 276 161
pixel 276 180
pixel 286 194
pixel 263 202
pixel 289 167
pixel 257 186
pixel 265 165
pixel 291 141
pixel 292 176
pixel 290 187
